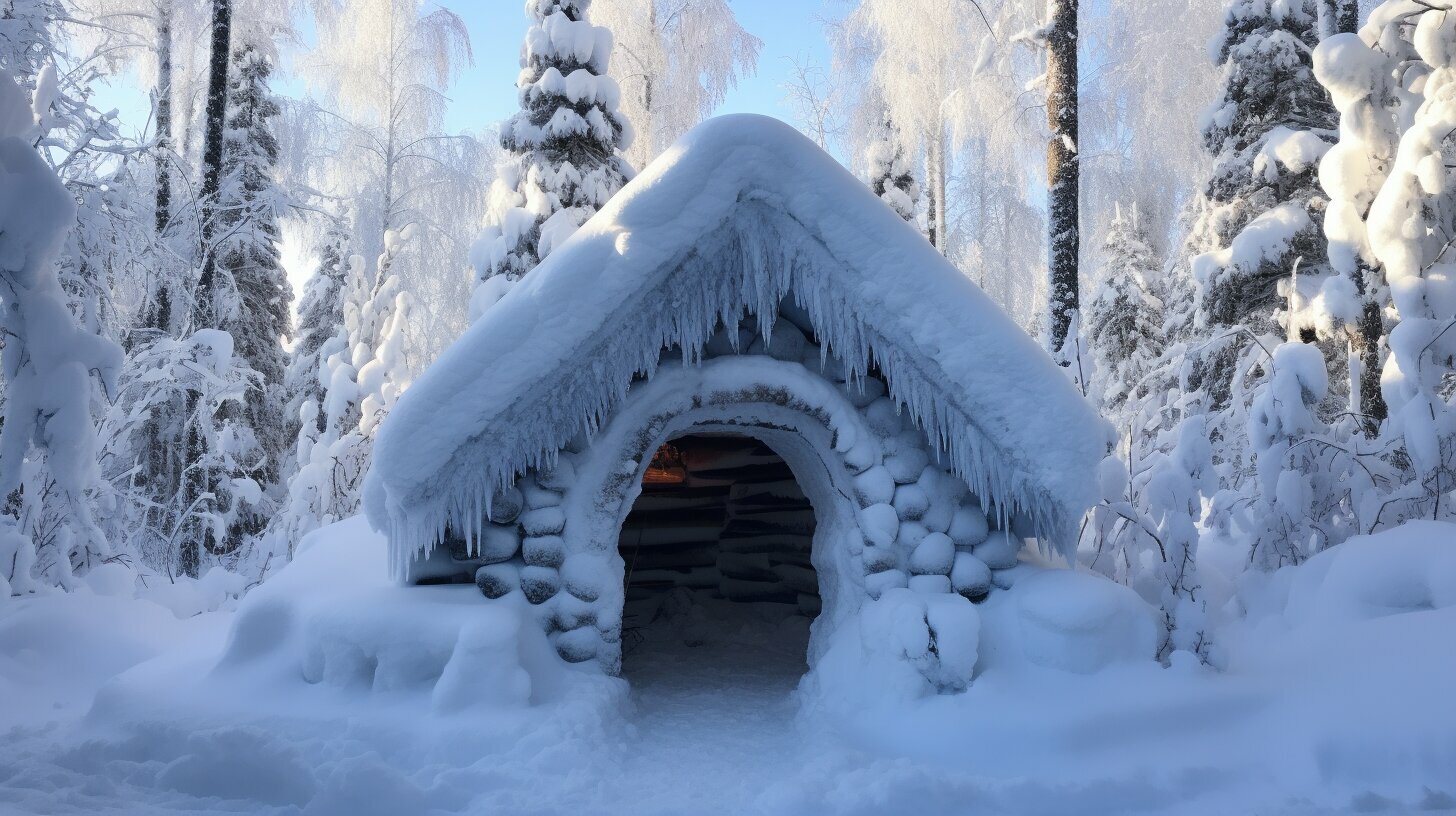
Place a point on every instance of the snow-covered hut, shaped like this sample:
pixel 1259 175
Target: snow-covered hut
pixel 743 287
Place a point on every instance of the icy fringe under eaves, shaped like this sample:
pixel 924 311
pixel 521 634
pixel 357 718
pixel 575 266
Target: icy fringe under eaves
pixel 741 213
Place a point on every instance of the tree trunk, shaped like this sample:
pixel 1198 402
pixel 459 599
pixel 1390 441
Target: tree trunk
pixel 212 139
pixel 1062 168
pixel 1365 346
pixel 936 207
pixel 163 101
pixel 199 534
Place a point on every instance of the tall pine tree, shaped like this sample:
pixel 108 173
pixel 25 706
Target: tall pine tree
pixel 563 146
pixel 1265 206
pixel 252 291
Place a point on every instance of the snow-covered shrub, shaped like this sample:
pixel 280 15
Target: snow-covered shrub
pixel 48 359
pixel 1287 509
pixel 210 478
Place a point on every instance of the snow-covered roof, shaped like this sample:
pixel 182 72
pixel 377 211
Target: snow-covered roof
pixel 742 211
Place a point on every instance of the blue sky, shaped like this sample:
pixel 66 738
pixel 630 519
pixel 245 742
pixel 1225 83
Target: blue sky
pixel 485 92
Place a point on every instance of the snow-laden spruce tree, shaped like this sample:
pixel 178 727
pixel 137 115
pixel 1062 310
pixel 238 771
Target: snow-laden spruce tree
pixel 1264 203
pixel 362 372
pixel 320 319
pixel 891 172
pixel 1125 318
pixel 48 360
pixel 563 147
pixel 675 61
pixel 253 292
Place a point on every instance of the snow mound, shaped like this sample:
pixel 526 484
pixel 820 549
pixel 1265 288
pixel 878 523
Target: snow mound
pixel 333 619
pixel 1411 568
pixel 53 653
pixel 901 647
pixel 1068 621
pixel 742 212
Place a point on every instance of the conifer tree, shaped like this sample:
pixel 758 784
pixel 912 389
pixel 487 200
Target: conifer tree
pixel 1125 318
pixel 320 318
pixel 1265 134
pixel 563 146
pixel 252 290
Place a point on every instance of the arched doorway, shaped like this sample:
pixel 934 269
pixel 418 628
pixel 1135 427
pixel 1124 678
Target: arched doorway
pixel 717 552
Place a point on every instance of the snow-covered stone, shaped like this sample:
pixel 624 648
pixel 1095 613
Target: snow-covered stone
pixel 540 583
pixel 876 584
pixel 587 575
pixel 498 543
pixel 929 584
pixel 880 524
pixel 910 502
pixel 544 551
pixel 884 417
pixel 934 555
pixel 498 580
pixel 875 486
pixel 538 497
pixel 1000 551
pixel 910 535
pixel 879 559
pixel 558 477
pixel 506 505
pixel 969 526
pixel 970 576
pixel 544 521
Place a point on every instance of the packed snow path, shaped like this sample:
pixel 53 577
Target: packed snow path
pixel 692 706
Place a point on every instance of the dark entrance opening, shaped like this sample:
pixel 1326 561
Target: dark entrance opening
pixel 717 555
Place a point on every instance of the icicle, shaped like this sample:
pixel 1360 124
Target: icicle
pixel 757 269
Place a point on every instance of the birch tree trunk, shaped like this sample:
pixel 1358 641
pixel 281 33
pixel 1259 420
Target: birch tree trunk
pixel 935 168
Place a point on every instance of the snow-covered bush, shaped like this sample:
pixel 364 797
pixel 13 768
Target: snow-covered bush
pixel 1283 427
pixel 213 464
pixel 48 359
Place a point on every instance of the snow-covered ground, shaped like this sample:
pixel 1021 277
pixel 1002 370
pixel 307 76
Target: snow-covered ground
pixel 328 690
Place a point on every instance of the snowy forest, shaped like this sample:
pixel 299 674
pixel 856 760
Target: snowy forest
pixel 1230 225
